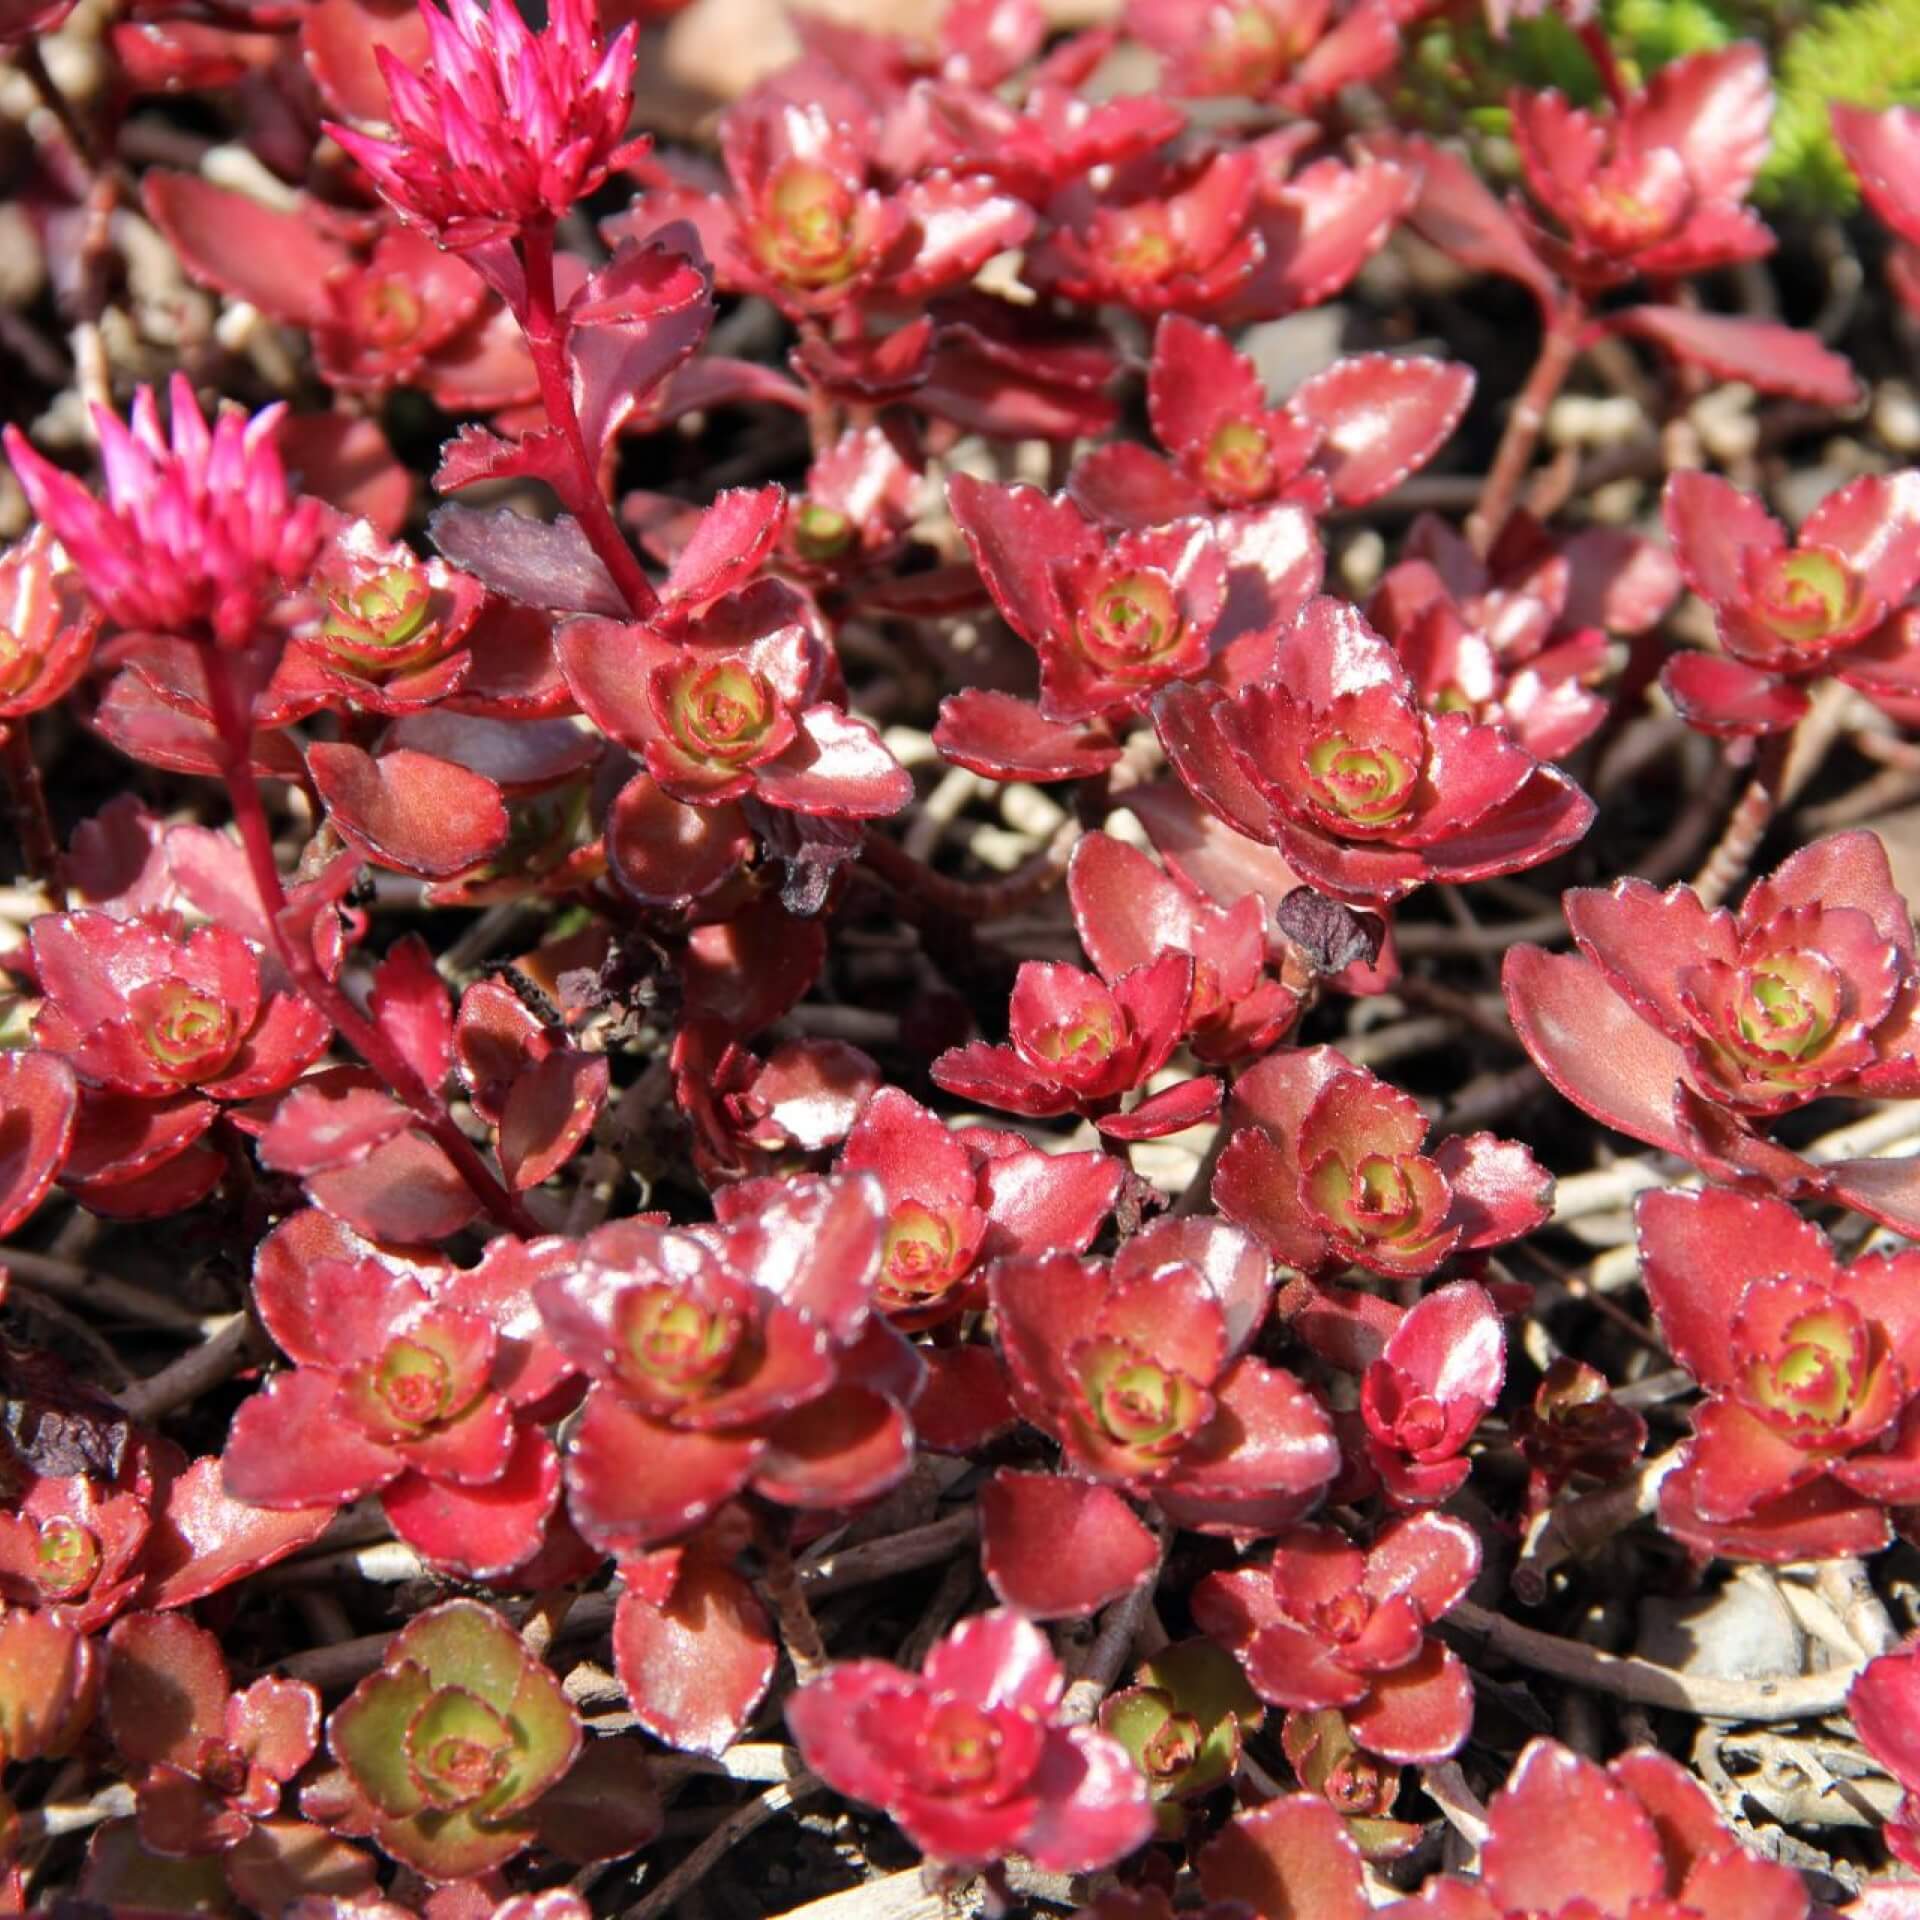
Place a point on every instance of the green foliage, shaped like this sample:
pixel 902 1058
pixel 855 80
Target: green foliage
pixel 1652 32
pixel 1863 51
pixel 1866 52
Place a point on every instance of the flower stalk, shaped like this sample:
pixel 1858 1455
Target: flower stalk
pixel 360 1033
pixel 1560 347
pixel 546 331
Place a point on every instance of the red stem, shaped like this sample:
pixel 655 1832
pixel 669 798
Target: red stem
pixel 913 880
pixel 360 1033
pixel 546 335
pixel 1599 48
pixel 1747 824
pixel 37 838
pixel 1559 348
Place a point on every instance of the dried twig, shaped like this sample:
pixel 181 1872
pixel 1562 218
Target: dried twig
pixel 222 1353
pixel 1572 1529
pixel 1846 1586
pixel 720 1842
pixel 342 1663
pixel 82 1286
pixel 1446 1786
pixel 1119 1626
pixel 1626 1677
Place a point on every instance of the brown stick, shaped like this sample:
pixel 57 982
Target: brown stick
pixel 34 824
pixel 1802 1696
pixel 216 1358
pixel 780 1584
pixel 1572 1529
pixel 915 882
pixel 720 1842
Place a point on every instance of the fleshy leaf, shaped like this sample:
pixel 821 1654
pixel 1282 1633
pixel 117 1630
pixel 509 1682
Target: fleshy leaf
pixel 1056 1548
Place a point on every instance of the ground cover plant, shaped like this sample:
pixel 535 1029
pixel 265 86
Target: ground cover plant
pixel 959 957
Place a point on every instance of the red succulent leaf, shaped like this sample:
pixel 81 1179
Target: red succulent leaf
pixel 276 1724
pixel 730 540
pixel 836 766
pixel 50 1682
pixel 963 1755
pixel 1728 698
pixel 120 1870
pixel 1127 911
pixel 1036 1201
pixel 632 323
pixel 696 1660
pixel 1697 1259
pixel 1005 738
pixel 406 1189
pixel 810 1093
pixel 1055 1548
pixel 1500 1192
pixel 965 1402
pixel 1819 1521
pixel 287 1447
pixel 1737 1463
pixel 846 1447
pixel 1458 213
pixel 1172 1110
pixel 1228 1266
pixel 482 1531
pixel 496 1038
pixel 545 564
pixel 668 854
pixel 203 1539
pixel 1420 1713
pixel 1452 1345
pixel 1765 355
pixel 177 1814
pixel 38 1105
pixel 339 43
pixel 410 1003
pixel 275 259
pixel 521 757
pixel 1016 535
pixel 1592 1047
pixel 814 1244
pixel 1381 418
pixel 1432 1558
pixel 1291 1859
pixel 328 1120
pixel 167 1687
pixel 632 1483
pixel 1126 485
pixel 408 809
pixel 281 1863
pixel 1713 525
pixel 1560 1822
pixel 1884 1705
pixel 1090 1806
pixel 1441 1369
pixel 549 1110
pixel 1879 148
pixel 1261 1463
pixel 1319 229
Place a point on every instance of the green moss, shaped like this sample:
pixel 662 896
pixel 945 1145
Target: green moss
pixel 1656 31
pixel 1866 52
